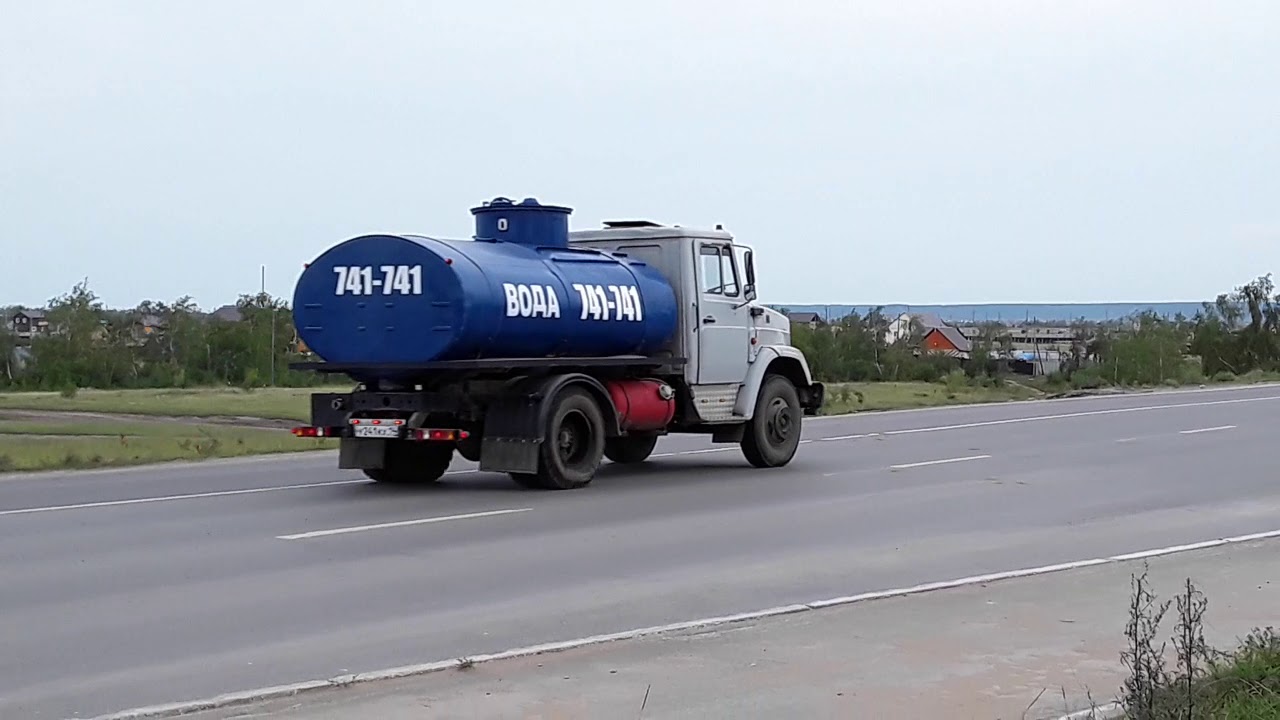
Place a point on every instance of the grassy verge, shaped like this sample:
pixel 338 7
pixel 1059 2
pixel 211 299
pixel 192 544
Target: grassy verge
pixel 865 396
pixel 1183 678
pixel 28 446
pixel 271 403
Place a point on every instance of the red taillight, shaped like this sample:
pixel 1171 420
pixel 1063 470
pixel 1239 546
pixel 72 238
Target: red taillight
pixel 308 432
pixel 439 434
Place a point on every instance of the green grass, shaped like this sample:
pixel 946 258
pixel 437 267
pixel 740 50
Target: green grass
pixel 864 396
pixel 270 403
pixel 52 445
pixel 1242 684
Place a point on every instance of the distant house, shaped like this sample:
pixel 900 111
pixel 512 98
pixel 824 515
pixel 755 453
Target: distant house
pixel 28 323
pixel 147 326
pixel 227 313
pixel 900 327
pixel 812 319
pixel 947 341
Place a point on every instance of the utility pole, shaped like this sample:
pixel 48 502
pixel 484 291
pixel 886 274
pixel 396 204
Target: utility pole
pixel 272 349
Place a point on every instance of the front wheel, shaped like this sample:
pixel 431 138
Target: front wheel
pixel 773 434
pixel 572 446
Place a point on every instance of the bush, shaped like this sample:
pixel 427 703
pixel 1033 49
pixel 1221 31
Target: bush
pixel 956 380
pixel 1205 683
pixel 1089 378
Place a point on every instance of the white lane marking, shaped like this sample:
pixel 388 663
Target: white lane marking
pixel 707 450
pixel 196 496
pixel 281 691
pixel 170 498
pixel 1063 416
pixel 848 437
pixel 1041 401
pixel 402 523
pixel 938 462
pixel 1205 430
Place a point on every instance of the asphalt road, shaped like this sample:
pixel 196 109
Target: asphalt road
pixel 128 588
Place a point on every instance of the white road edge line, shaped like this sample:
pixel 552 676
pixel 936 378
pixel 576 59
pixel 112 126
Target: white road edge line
pixel 195 496
pixel 1109 711
pixel 1205 430
pixel 946 461
pixel 401 523
pixel 170 498
pixel 279 691
pixel 1086 413
pixel 1042 401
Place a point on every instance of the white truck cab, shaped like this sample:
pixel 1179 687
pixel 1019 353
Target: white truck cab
pixel 731 341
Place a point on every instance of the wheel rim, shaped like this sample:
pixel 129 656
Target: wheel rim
pixel 573 439
pixel 780 424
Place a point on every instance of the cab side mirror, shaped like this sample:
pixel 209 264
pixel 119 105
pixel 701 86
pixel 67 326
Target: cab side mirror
pixel 750 289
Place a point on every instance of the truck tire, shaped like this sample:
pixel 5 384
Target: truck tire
pixel 630 449
pixel 572 446
pixel 773 435
pixel 412 463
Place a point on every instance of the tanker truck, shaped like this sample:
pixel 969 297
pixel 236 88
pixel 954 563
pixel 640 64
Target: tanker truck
pixel 539 352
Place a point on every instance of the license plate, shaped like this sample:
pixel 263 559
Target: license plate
pixel 377 431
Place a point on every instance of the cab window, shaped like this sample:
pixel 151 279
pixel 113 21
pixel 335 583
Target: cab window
pixel 719 276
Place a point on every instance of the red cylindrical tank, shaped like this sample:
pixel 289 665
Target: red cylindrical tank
pixel 644 404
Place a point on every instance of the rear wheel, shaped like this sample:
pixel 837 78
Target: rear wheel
pixel 573 444
pixel 630 449
pixel 773 434
pixel 412 463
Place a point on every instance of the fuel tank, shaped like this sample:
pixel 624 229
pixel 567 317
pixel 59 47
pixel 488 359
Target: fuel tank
pixel 515 290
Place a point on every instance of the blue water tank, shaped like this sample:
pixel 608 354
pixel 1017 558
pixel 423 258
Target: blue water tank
pixel 517 290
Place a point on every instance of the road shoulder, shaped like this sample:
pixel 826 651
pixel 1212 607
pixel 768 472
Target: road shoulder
pixel 1035 647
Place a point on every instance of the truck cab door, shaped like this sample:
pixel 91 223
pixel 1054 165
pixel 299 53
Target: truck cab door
pixel 724 318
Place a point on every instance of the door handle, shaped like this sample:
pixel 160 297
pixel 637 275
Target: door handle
pixel 709 319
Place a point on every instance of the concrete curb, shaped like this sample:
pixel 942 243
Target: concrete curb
pixel 1108 712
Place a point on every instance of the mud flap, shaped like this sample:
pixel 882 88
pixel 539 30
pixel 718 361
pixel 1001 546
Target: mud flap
pixel 362 453
pixel 512 434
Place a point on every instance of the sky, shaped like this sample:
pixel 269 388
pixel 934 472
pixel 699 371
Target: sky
pixel 871 152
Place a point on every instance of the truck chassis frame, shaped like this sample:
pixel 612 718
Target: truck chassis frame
pixel 506 414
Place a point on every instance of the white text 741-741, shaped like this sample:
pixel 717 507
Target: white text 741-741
pixel 394 280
